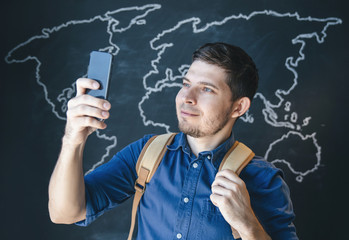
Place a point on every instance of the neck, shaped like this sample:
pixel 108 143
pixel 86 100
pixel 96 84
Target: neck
pixel 208 143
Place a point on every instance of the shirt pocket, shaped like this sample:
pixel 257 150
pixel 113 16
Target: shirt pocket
pixel 212 224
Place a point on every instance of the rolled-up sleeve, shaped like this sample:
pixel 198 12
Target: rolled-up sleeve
pixel 111 183
pixel 270 200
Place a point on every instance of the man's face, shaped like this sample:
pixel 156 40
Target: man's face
pixel 204 105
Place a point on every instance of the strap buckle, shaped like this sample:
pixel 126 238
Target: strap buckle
pixel 139 187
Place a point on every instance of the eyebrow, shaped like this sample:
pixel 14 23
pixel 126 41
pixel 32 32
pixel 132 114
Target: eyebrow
pixel 204 83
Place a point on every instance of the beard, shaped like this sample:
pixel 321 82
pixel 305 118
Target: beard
pixel 207 127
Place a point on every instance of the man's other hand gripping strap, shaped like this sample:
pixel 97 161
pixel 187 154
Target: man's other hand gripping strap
pixel 236 159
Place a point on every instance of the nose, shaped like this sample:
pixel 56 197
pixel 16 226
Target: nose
pixel 189 96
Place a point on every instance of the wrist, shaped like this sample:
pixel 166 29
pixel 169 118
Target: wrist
pixel 70 140
pixel 72 145
pixel 251 229
pixel 71 151
pixel 254 231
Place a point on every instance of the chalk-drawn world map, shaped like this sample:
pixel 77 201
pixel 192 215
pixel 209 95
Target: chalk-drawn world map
pixel 150 61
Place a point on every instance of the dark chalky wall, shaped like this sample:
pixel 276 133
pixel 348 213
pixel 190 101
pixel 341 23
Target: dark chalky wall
pixel 297 121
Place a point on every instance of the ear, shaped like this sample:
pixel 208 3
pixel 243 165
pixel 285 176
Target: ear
pixel 241 106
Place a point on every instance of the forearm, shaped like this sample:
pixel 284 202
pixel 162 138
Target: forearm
pixel 67 202
pixel 67 189
pixel 254 231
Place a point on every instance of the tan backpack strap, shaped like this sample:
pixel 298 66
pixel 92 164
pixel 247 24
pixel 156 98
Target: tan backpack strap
pixel 152 154
pixel 147 163
pixel 236 159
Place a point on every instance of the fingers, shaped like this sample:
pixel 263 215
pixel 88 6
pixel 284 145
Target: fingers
pixel 89 101
pixel 228 179
pixel 86 111
pixel 219 190
pixel 216 199
pixel 87 122
pixel 228 185
pixel 82 84
pixel 230 195
pixel 88 106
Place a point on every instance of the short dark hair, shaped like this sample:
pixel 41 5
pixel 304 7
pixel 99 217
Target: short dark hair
pixel 239 66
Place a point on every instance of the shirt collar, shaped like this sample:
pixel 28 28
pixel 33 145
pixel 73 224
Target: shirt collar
pixel 215 155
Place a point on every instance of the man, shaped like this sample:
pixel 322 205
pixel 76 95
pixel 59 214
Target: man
pixel 187 197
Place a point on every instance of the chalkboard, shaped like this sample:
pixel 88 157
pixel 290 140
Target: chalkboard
pixel 298 119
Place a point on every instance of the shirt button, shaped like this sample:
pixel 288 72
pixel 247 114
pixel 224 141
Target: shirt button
pixel 186 200
pixel 195 165
pixel 179 236
pixel 208 157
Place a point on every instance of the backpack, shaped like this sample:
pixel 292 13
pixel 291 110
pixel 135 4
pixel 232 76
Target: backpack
pixel 238 156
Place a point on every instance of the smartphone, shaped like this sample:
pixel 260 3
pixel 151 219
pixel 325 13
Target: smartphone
pixel 99 69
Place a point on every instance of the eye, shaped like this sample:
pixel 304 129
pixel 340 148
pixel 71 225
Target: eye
pixel 206 89
pixel 186 85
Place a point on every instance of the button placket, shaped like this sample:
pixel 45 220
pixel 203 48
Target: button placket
pixel 186 205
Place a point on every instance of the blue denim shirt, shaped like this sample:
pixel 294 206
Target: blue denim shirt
pixel 176 203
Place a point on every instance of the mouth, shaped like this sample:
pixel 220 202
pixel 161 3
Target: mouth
pixel 188 114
